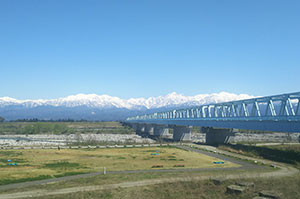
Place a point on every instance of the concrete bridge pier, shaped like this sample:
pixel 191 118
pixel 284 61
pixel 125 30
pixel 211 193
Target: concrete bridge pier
pixel 218 135
pixel 134 126
pixel 182 133
pixel 161 130
pixel 149 129
pixel 139 128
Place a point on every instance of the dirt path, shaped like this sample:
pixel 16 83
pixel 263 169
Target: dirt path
pixel 283 171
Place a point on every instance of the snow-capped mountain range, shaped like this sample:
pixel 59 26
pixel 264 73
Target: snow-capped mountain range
pixel 104 107
pixel 105 101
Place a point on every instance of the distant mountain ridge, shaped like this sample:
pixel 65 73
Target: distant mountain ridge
pixel 106 101
pixel 104 107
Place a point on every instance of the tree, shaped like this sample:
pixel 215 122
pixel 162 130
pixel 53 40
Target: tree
pixel 1 119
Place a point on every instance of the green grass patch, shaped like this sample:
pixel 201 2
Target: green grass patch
pixel 11 181
pixel 62 164
pixel 10 153
pixel 3 160
pixel 69 174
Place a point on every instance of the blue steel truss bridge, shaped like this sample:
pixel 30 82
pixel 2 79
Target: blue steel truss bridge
pixel 279 113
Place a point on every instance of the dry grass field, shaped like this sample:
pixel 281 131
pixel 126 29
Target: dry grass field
pixel 35 164
pixel 288 187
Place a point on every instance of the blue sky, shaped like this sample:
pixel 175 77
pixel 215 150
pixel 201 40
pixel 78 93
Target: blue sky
pixel 55 48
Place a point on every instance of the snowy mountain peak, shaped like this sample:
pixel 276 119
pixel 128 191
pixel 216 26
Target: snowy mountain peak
pixel 173 94
pixel 105 101
pixel 8 99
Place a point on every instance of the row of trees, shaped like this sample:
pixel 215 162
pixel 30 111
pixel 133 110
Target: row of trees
pixel 41 120
pixel 45 127
pixel 52 120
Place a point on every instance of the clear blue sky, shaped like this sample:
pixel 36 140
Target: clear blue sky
pixel 142 48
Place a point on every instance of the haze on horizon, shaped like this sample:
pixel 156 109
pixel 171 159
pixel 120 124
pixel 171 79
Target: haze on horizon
pixel 129 49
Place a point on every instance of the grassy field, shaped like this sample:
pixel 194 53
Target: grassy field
pixel 46 163
pixel 281 153
pixel 206 189
pixel 287 187
pixel 63 127
pixel 114 178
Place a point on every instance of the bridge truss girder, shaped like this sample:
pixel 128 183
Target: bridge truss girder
pixel 281 111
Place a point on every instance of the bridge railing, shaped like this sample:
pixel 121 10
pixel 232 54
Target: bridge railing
pixel 277 107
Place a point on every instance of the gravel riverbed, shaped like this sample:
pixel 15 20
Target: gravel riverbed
pixel 54 140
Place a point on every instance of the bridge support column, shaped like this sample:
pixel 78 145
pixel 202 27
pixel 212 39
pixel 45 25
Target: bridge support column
pixel 217 135
pixel 139 128
pixel 181 133
pixel 161 130
pixel 149 128
pixel 134 126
